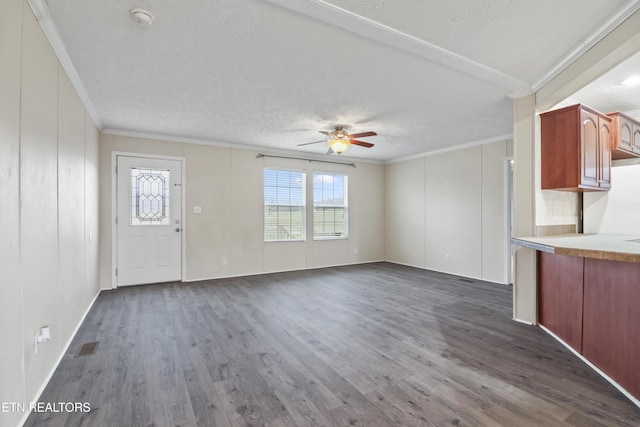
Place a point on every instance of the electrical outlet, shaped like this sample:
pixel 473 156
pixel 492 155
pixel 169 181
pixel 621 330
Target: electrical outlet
pixel 223 261
pixel 355 251
pixel 42 336
pixel 197 209
pixel 447 257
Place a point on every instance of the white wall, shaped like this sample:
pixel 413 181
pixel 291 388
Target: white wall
pixel 445 212
pixel 48 160
pixel 228 184
pixel 615 211
pixel 524 209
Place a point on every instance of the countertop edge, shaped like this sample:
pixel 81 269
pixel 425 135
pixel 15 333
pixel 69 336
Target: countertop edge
pixel 579 252
pixel 531 245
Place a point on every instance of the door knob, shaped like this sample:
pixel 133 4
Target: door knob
pixel 177 229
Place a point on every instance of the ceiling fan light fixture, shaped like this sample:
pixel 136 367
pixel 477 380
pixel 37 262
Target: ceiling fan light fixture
pixel 339 145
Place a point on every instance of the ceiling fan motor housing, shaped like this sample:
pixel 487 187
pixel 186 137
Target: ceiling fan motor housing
pixel 339 133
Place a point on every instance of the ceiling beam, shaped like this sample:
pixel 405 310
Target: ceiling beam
pixel 617 46
pixel 615 20
pixel 376 31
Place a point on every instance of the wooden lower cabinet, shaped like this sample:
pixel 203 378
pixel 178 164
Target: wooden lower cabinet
pixel 560 293
pixel 611 320
pixel 593 305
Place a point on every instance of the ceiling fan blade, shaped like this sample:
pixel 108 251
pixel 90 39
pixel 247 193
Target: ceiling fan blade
pixel 324 132
pixel 362 135
pixel 361 143
pixel 314 142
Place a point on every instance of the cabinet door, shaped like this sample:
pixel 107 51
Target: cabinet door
pixel 611 336
pixel 625 134
pixel 604 179
pixel 636 138
pixel 560 289
pixel 589 149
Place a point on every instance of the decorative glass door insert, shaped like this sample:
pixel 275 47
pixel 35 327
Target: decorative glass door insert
pixel 150 197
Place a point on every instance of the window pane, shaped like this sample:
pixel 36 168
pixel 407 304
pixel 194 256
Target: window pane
pixel 329 206
pixel 329 222
pixel 269 195
pixel 283 205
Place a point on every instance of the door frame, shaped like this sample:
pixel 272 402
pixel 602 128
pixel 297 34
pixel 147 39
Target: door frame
pixel 114 210
pixel 509 216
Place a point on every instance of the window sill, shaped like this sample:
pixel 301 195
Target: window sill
pixel 320 239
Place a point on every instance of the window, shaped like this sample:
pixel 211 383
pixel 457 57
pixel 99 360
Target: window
pixel 284 205
pixel 329 206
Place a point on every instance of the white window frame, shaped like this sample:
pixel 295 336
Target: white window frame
pixel 303 206
pixel 345 206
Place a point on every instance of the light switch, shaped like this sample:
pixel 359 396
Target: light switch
pixel 197 209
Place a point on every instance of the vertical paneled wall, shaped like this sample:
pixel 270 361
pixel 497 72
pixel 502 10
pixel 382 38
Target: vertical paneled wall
pixel 39 200
pixel 48 186
pixel 405 212
pixel 446 212
pixel 453 194
pixel 12 387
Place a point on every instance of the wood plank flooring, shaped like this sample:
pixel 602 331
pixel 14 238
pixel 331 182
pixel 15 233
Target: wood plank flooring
pixel 367 345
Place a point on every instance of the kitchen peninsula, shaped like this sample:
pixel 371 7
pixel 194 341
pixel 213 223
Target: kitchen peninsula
pixel 589 297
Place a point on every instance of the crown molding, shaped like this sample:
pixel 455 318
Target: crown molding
pixel 452 148
pixel 259 148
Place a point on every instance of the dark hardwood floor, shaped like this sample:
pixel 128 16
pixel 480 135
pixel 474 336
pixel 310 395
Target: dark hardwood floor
pixel 367 345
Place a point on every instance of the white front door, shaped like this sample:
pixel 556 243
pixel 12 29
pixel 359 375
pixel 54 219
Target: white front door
pixel 149 220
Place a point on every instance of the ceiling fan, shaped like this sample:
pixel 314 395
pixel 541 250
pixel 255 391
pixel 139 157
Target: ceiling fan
pixel 339 140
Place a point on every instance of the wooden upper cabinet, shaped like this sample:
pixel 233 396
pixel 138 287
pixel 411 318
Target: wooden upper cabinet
pixel 625 141
pixel 576 149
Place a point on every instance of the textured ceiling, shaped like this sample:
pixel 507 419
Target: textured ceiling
pixel 425 75
pixel 607 94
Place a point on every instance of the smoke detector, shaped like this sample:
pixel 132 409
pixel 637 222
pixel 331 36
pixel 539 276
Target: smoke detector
pixel 142 16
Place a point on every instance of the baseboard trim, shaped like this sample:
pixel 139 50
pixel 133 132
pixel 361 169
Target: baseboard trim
pixel 231 276
pixel 55 366
pixel 525 322
pixel 594 367
pixel 448 272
